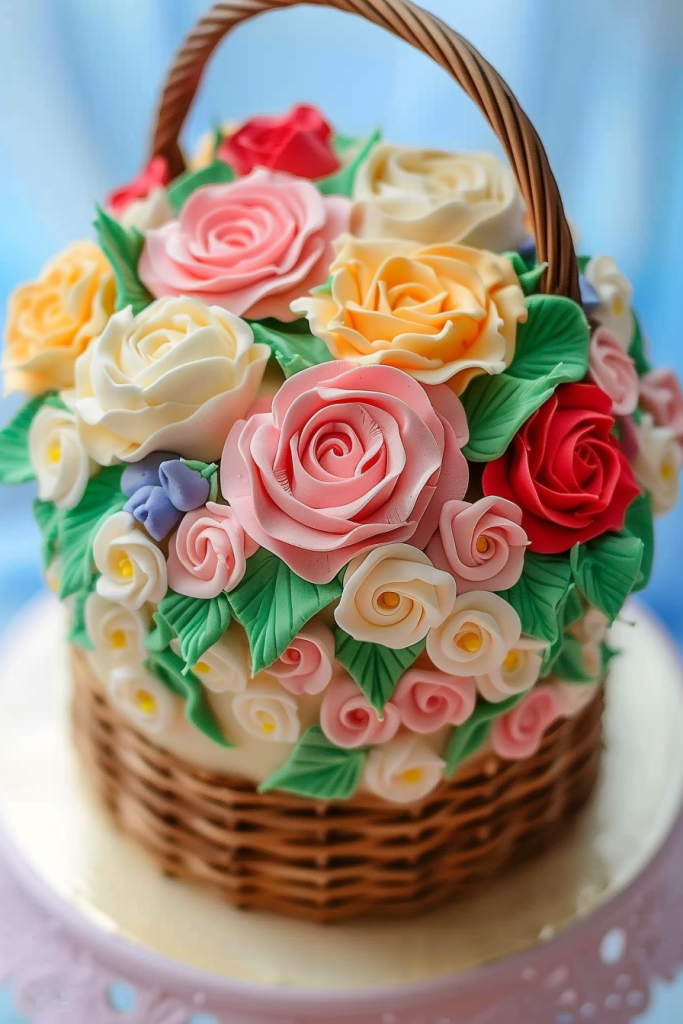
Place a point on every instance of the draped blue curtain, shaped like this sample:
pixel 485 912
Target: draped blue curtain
pixel 601 79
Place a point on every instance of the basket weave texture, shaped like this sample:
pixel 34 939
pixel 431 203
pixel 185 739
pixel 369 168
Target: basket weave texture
pixel 332 861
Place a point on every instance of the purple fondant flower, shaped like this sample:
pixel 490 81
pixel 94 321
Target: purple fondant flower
pixel 152 507
pixel 144 473
pixel 186 488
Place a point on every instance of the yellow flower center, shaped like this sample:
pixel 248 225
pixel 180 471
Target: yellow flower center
pixel 618 305
pixel 389 600
pixel 145 702
pixel 125 567
pixel 202 668
pixel 118 639
pixel 667 472
pixel 482 545
pixel 511 661
pixel 267 722
pixel 54 452
pixel 412 776
pixel 470 642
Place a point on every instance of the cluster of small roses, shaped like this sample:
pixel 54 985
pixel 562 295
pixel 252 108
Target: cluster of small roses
pixel 288 349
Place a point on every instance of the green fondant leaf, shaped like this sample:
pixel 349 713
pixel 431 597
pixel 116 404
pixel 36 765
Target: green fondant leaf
pixel 529 272
pixel 341 183
pixel 15 465
pixel 551 349
pixel 48 517
pixel 637 349
pixel 318 769
pixel 215 173
pixel 640 523
pixel 375 668
pixel 607 654
pixel 273 603
pixel 78 527
pixel 469 737
pixel 197 622
pixel 292 345
pixel 569 665
pixel 573 608
pixel 607 569
pixel 122 247
pixel 583 262
pixel 78 633
pixel 169 669
pixel 540 593
pixel 209 470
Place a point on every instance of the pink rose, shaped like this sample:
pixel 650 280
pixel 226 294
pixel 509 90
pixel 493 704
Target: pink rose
pixel 613 370
pixel 208 552
pixel 349 720
pixel 481 544
pixel 306 665
pixel 661 395
pixel 252 245
pixel 348 458
pixel 428 699
pixel 155 175
pixel 518 734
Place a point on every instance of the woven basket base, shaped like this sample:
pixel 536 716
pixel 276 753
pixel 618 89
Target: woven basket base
pixel 338 860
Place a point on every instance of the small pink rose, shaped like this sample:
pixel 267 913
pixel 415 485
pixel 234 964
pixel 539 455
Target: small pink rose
pixel 518 734
pixel 306 665
pixel 349 720
pixel 661 395
pixel 482 544
pixel 349 457
pixel 613 370
pixel 252 245
pixel 208 552
pixel 428 699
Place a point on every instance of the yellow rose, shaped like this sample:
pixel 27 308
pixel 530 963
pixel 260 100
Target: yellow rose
pixel 51 321
pixel 441 313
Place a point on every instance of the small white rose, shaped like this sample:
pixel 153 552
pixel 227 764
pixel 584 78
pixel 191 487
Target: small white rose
pixel 117 633
pixel 393 596
pixel 141 698
pixel 574 697
pixel 615 294
pixel 404 770
pixel 224 667
pixel 267 711
pixel 658 464
pixel 132 566
pixel 153 211
pixel 592 625
pixel 518 672
pixel 57 454
pixel 476 637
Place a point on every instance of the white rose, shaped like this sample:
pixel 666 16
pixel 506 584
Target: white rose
pixel 658 464
pixel 591 626
pixel 141 698
pixel 132 566
pixel 393 596
pixel 404 770
pixel 432 196
pixel 117 633
pixel 153 211
pixel 174 378
pixel 476 636
pixel 269 712
pixel 518 672
pixel 615 294
pixel 57 454
pixel 224 667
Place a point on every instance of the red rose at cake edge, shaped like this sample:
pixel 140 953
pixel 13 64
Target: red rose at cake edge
pixel 565 470
pixel 299 142
pixel 155 175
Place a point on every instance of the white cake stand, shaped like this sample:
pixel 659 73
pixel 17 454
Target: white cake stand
pixel 91 933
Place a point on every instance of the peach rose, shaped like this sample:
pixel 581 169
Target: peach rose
pixel 661 396
pixel 482 543
pixel 428 699
pixel 306 665
pixel 518 672
pixel 52 320
pixel 476 636
pixel 349 720
pixel 251 245
pixel 405 770
pixel 518 734
pixel 613 370
pixel 207 554
pixel 442 313
pixel 658 464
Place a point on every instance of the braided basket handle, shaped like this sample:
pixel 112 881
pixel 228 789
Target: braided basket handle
pixel 455 54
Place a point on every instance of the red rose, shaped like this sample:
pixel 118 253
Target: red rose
pixel 155 175
pixel 566 471
pixel 299 142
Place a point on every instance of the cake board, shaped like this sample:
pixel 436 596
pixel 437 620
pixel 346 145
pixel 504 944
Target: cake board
pixel 90 933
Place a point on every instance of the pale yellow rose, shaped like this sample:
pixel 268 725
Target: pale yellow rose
pixel 432 196
pixel 203 153
pixel 52 320
pixel 442 313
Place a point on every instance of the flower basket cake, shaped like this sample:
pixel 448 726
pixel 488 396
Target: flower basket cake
pixel 345 464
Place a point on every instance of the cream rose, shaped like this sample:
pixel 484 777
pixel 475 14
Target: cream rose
pixel 57 454
pixel 141 698
pixel 267 711
pixel 475 638
pixel 117 633
pixel 393 596
pixel 174 378
pixel 615 294
pixel 405 770
pixel 519 671
pixel 574 697
pixel 132 566
pixel 442 313
pixel 592 626
pixel 151 212
pixel 224 667
pixel 433 196
pixel 657 464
